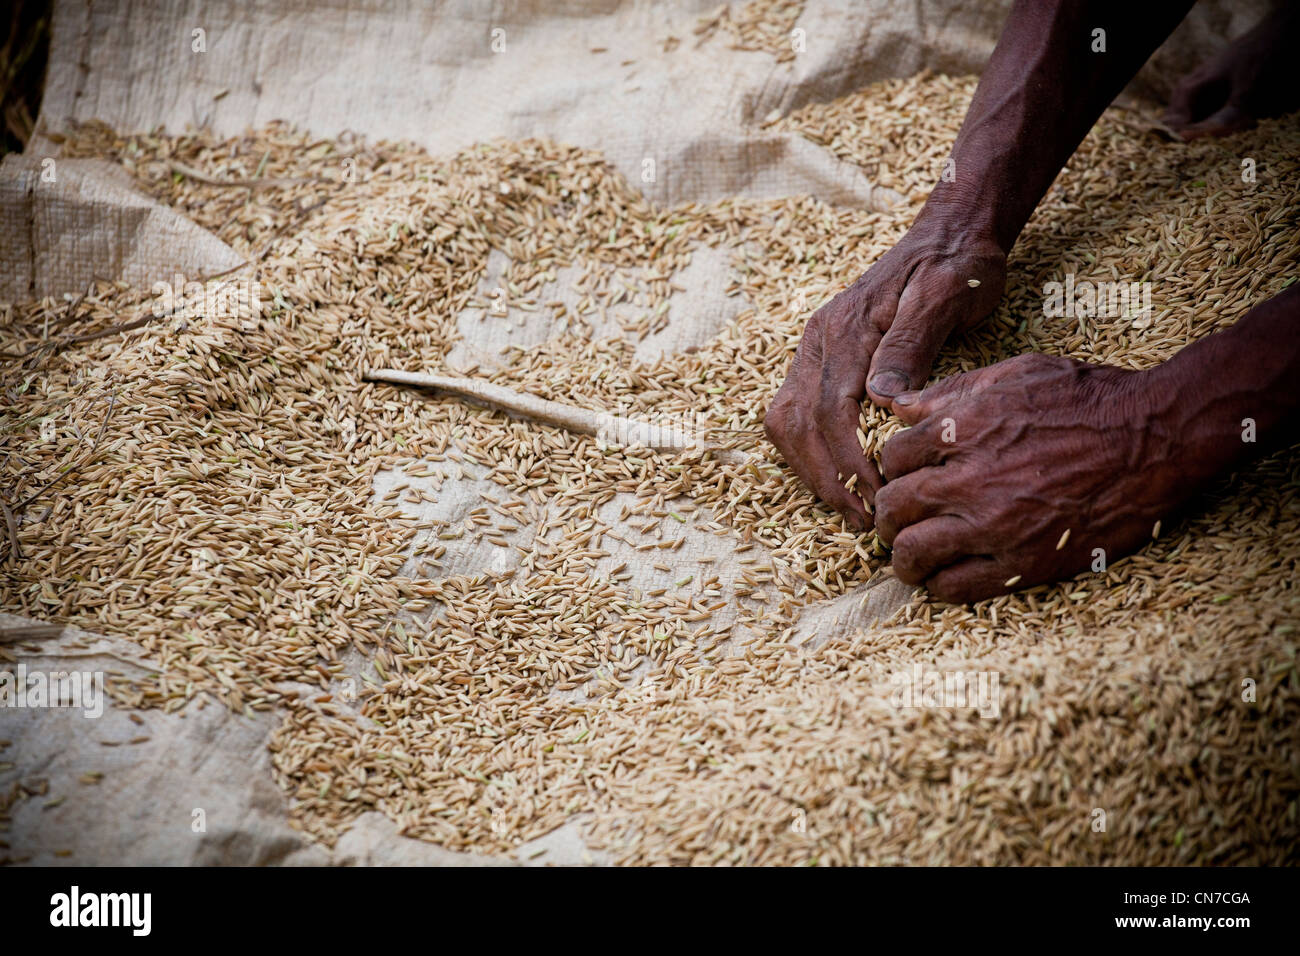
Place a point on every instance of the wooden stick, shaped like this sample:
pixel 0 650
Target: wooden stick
pixel 620 430
pixel 189 172
pixel 16 628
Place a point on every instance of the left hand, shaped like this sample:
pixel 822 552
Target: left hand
pixel 1001 462
pixel 1249 79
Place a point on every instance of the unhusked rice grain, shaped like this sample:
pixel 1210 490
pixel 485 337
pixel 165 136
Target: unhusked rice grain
pixel 220 509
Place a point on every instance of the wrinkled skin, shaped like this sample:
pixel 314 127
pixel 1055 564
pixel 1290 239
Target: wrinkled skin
pixel 1252 78
pixel 884 329
pixel 880 336
pixel 1038 445
pixel 1002 461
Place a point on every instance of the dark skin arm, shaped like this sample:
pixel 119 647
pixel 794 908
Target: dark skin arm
pixel 1043 90
pixel 1044 445
pixel 1033 469
pixel 1053 466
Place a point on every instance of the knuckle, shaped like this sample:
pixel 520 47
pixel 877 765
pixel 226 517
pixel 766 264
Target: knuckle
pixel 906 567
pixel 885 515
pixel 777 431
pixel 844 309
pixel 781 421
pixel 882 320
pixel 903 337
pixel 885 499
pixel 945 593
pixel 891 458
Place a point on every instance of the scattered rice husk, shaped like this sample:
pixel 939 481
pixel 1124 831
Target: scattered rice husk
pixel 227 520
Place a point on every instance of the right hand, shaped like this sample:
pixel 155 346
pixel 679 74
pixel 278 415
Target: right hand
pixel 879 337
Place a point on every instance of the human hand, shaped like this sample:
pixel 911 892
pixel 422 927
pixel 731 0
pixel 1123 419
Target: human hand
pixel 885 330
pixel 1016 474
pixel 1250 79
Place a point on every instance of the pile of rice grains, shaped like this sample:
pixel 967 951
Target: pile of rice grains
pixel 760 25
pixel 223 513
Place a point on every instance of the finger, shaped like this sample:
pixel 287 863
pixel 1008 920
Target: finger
pixel 915 407
pixel 902 360
pixel 1195 97
pixel 922 549
pixel 823 477
pixel 970 579
pixel 791 427
pixel 913 448
pixel 910 499
pixel 927 312
pixel 804 451
pixel 1230 119
pixel 838 408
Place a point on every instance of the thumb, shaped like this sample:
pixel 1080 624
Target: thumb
pixel 934 302
pixel 915 407
pixel 905 354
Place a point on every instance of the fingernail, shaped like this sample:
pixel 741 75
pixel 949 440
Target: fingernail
pixel 889 383
pixel 907 398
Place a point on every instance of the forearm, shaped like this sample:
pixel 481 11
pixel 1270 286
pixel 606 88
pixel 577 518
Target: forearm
pixel 1235 395
pixel 1042 91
